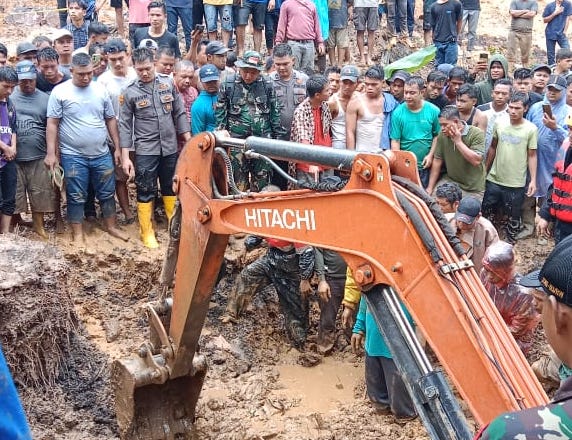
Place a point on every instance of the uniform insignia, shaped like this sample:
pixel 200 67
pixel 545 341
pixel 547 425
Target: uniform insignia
pixel 167 107
pixel 121 99
pixel 142 103
pixel 167 98
pixel 163 86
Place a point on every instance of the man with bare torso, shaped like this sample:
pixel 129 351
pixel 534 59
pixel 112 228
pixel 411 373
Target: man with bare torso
pixel 368 115
pixel 338 104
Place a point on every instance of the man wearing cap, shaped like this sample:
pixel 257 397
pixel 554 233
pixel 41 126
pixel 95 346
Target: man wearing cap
pixel 475 232
pixel 338 103
pixel 63 44
pixel 552 130
pixel 540 77
pixel 510 159
pixel 151 116
pixel 26 51
pixel 33 178
pixel 299 26
pixel 553 283
pixel 203 109
pixel 397 84
pixel 247 106
pixel 368 119
pixel 290 88
pixel 216 55
pixel 157 31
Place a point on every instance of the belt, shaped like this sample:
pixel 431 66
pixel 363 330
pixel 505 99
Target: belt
pixel 301 41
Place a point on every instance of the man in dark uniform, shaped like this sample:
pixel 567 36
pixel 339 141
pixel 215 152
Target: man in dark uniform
pixel 152 112
pixel 554 284
pixel 247 106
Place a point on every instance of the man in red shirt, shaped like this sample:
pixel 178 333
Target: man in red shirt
pixel 312 125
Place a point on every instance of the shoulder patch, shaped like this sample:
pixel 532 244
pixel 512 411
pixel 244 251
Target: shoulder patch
pixel 121 99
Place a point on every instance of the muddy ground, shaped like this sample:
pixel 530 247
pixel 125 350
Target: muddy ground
pixel 89 304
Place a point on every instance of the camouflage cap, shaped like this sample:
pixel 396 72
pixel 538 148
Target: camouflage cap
pixel 251 59
pixel 555 277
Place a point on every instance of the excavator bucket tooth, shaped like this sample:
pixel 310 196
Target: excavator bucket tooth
pixel 156 411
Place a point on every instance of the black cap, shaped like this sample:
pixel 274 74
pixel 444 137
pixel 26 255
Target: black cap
pixel 542 67
pixel 468 210
pixel 555 277
pixel 25 47
pixel 216 48
pixel 557 82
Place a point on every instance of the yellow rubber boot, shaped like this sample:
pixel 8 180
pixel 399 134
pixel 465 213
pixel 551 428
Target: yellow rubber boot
pixel 145 213
pixel 169 204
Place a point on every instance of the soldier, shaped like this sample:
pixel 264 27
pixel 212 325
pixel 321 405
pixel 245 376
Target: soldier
pixel 247 106
pixel 554 420
pixel 151 116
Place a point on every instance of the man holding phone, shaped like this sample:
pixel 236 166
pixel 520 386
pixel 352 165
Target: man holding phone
pixel 549 116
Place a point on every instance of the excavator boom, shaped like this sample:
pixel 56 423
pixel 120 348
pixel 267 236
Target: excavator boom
pixel 386 229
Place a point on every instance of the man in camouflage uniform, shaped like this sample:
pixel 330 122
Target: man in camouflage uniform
pixel 289 267
pixel 554 421
pixel 247 106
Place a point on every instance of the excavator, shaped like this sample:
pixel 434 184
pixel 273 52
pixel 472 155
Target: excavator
pixel 404 251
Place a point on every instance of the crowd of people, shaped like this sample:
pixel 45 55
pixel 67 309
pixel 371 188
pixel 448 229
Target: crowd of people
pixel 82 113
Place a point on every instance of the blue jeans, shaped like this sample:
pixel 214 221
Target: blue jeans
pixel 551 47
pixel 79 172
pixel 186 16
pixel 410 18
pixel 148 169
pixel 446 53
pixel 215 12
pixel 8 184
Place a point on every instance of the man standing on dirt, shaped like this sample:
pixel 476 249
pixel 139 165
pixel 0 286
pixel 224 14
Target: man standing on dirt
pixel 556 15
pixel 368 117
pixel 446 19
pixel 34 181
pixel 366 18
pixel 84 151
pixel 299 26
pixel 522 13
pixel 554 420
pixel 151 117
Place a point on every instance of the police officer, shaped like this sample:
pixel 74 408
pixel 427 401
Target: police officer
pixel 151 109
pixel 247 106
pixel 290 88
pixel 554 284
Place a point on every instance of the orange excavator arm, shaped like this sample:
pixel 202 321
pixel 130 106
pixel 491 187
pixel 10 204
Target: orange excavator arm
pixel 383 227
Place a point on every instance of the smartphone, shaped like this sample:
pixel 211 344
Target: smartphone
pixel 547 109
pixel 484 56
pixel 200 27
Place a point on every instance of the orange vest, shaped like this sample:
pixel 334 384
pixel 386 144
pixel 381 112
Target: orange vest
pixel 561 206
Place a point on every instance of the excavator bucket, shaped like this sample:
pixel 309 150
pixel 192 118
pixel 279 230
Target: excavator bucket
pixel 156 411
